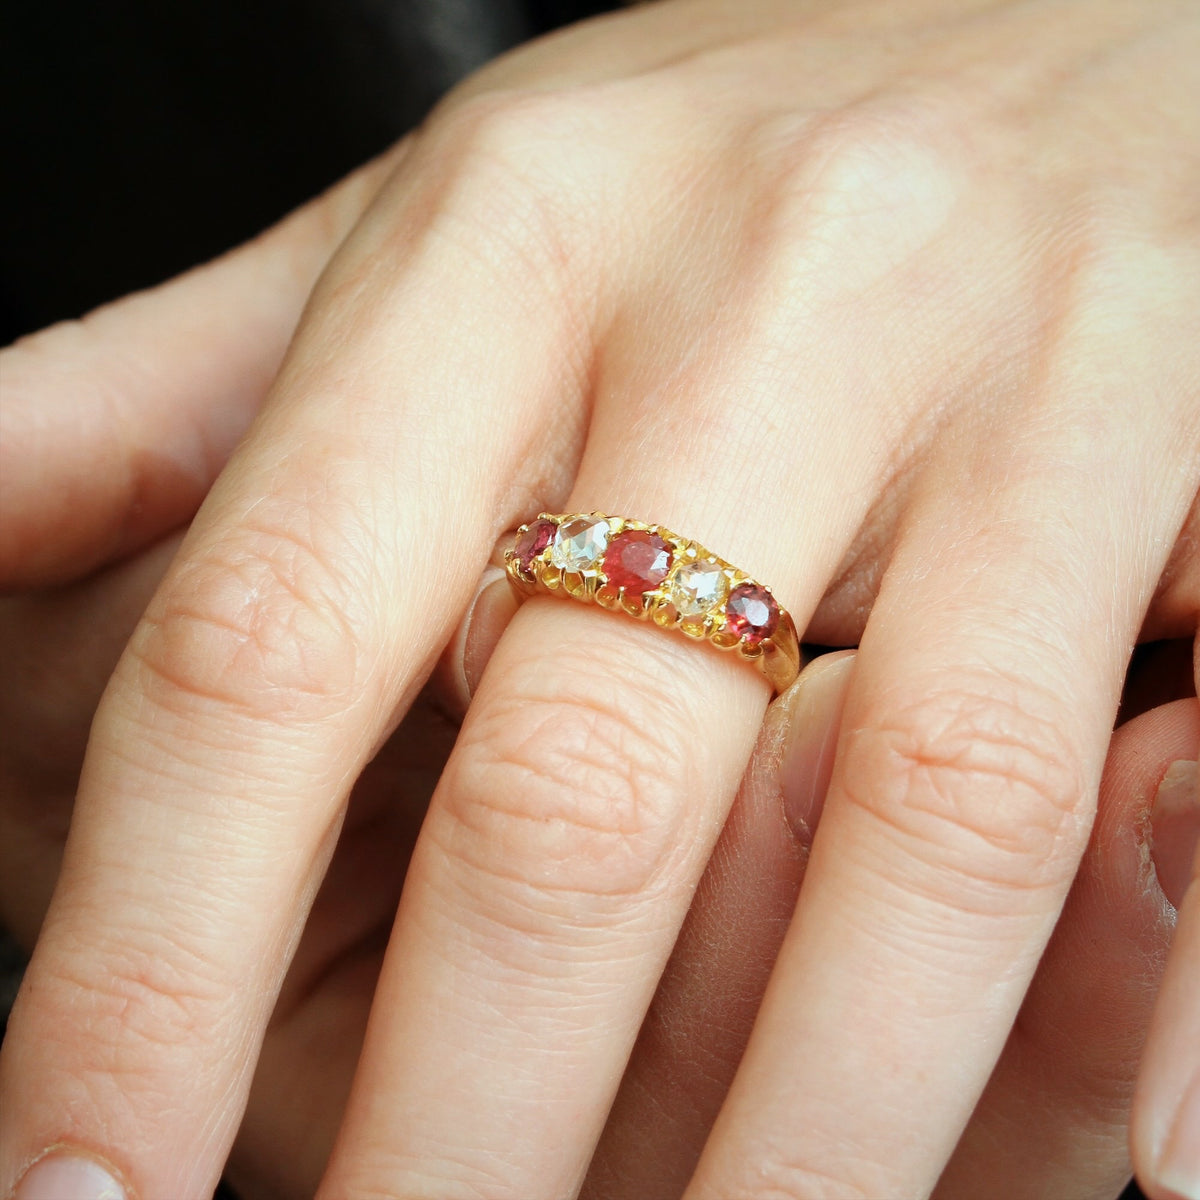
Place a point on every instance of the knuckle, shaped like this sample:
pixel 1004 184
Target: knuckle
pixel 565 795
pixel 979 777
pixel 149 1002
pixel 522 132
pixel 261 622
pixel 779 1177
pixel 855 193
pixel 513 185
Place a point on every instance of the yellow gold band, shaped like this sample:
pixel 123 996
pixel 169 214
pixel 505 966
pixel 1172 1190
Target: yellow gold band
pixel 653 574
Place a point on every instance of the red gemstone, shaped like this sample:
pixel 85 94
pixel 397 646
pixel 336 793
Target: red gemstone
pixel 637 561
pixel 752 612
pixel 532 542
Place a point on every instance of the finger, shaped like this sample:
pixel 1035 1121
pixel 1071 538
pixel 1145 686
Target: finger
pixel 312 1042
pixel 304 1072
pixel 313 595
pixel 58 652
pixel 1166 1117
pixel 1053 1120
pixel 693 1036
pixel 114 427
pixel 1177 601
pixel 972 749
pixel 574 818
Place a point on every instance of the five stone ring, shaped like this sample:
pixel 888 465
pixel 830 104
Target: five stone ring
pixel 653 574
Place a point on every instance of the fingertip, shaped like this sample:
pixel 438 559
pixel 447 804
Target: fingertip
pixel 1175 829
pixel 1165 1130
pixel 1134 844
pixel 68 1176
pixel 489 618
pixel 813 707
pixel 461 666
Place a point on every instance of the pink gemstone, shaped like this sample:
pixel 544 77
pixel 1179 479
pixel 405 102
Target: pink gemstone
pixel 532 542
pixel 637 561
pixel 752 612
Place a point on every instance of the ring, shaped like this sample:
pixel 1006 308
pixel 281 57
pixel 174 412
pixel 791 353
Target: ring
pixel 653 574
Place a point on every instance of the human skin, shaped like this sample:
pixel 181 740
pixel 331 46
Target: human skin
pixel 892 305
pixel 1052 1121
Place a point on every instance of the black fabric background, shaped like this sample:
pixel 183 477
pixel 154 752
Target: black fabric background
pixel 140 137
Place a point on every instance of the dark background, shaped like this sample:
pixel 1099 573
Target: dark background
pixel 141 137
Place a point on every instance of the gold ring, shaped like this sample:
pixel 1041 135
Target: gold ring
pixel 653 574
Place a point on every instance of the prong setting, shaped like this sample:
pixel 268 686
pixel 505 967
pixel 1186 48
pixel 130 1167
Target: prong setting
pixel 646 571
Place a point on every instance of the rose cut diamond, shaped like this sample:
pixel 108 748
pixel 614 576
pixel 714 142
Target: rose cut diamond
pixel 696 587
pixel 579 544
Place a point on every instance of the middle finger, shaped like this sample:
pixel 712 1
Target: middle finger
pixel 594 770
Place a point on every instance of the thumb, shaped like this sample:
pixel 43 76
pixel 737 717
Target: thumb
pixel 113 427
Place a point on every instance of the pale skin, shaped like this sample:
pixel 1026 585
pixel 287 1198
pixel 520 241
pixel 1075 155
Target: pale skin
pixel 1051 1121
pixel 891 304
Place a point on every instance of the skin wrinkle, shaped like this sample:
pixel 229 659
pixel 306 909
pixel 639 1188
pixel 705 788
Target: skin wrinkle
pixel 961 598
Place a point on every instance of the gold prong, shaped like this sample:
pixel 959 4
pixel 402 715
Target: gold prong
pixel 634 605
pixel 777 657
pixel 663 614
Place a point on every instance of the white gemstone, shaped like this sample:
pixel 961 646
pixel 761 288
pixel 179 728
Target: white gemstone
pixel 579 544
pixel 696 587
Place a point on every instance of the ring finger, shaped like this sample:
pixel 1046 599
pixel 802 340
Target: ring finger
pixel 579 807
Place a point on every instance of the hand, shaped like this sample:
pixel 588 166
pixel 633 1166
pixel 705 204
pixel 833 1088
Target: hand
pixel 630 269
pixel 1048 1124
pixel 59 648
pixel 1052 1121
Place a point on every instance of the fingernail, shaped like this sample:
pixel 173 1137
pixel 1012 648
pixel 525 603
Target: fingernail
pixel 461 666
pixel 66 1177
pixel 493 609
pixel 1179 1166
pixel 1175 828
pixel 816 703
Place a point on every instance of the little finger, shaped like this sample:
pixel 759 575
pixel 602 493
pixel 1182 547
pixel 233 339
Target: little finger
pixel 115 426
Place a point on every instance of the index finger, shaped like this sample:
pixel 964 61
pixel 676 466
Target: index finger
pixel 113 427
pixel 312 597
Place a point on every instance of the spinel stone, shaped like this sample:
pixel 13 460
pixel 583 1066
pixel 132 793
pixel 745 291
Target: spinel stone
pixel 696 587
pixel 752 612
pixel 579 544
pixel 532 542
pixel 637 560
